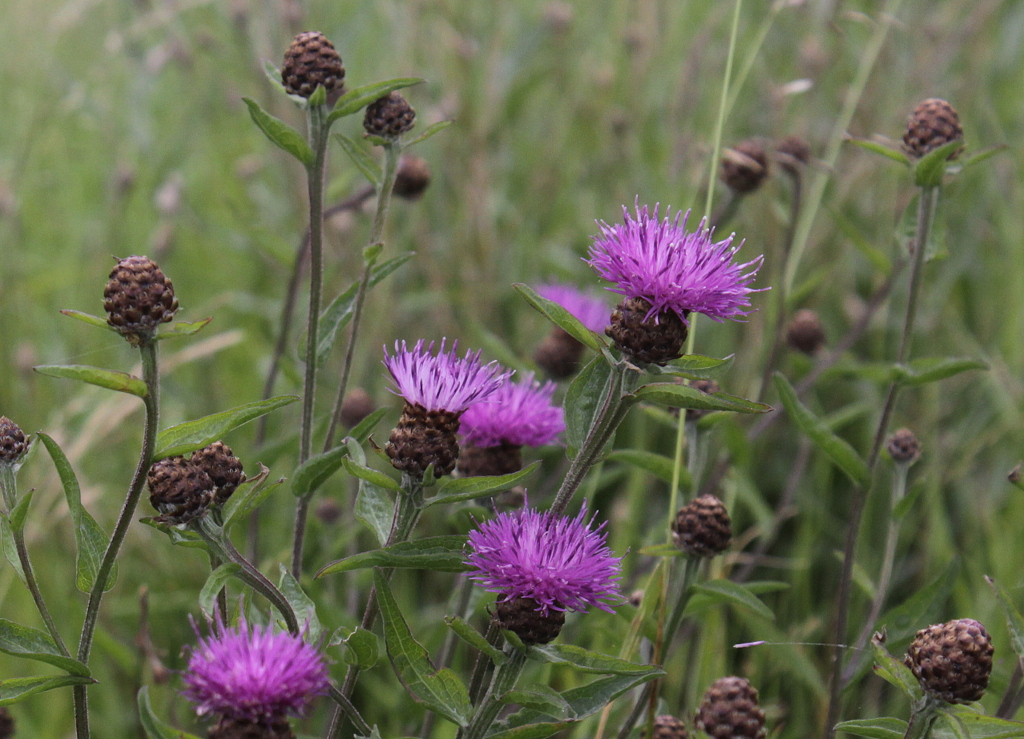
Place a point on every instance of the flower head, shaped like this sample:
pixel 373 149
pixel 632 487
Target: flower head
pixel 671 269
pixel 587 309
pixel 520 414
pixel 560 563
pixel 442 381
pixel 254 673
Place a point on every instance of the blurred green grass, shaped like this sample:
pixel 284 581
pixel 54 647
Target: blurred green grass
pixel 123 132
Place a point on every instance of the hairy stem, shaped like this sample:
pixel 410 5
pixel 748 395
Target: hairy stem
pixel 504 680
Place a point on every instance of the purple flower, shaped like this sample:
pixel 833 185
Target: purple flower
pixel 557 561
pixel 588 310
pixel 520 414
pixel 255 673
pixel 442 381
pixel 672 269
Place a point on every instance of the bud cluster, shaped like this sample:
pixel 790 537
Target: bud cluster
pixel 183 489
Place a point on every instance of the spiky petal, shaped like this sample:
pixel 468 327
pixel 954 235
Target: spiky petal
pixel 561 563
pixel 673 269
pixel 442 381
pixel 256 673
pixel 519 413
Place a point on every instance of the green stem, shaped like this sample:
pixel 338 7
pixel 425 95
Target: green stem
pixel 150 376
pixel 392 153
pixel 345 705
pixel 723 102
pixel 504 680
pixel 318 130
pixel 922 717
pixel 621 382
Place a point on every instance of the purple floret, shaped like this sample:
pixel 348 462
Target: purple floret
pixel 254 673
pixel 559 562
pixel 519 413
pixel 672 269
pixel 442 381
pixel 590 311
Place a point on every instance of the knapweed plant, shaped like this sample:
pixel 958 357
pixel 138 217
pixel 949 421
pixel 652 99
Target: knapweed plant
pixel 579 530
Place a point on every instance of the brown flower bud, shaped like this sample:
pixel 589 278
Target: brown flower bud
pixel 903 447
pixel 559 354
pixel 667 727
pixel 805 332
pixel 412 177
pixel 243 728
pixel 422 438
pixel 730 710
pixel 702 527
pixel 138 298
pixel 521 617
pixel 328 511
pixel 13 444
pixel 655 340
pixel 224 468
pixel 356 406
pixel 744 167
pixel 389 117
pixel 953 660
pixel 792 152
pixel 933 123
pixel 312 60
pixel 7 725
pixel 179 490
pixel 484 461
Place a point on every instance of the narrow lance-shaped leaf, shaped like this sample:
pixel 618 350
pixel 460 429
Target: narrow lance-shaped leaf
pixel 875 728
pixel 838 450
pixel 183 328
pixel 923 371
pixel 122 382
pixel 582 402
pixel 280 133
pixel 562 318
pixel 428 132
pixel 19 688
pixel 316 470
pixel 375 509
pixel 248 497
pixel 154 726
pixel 22 641
pixel 877 147
pixel 475 639
pixel 439 553
pixel 186 437
pixel 467 488
pixel 675 395
pixel 893 671
pixel 214 584
pixel 727 591
pixel 370 475
pixel 357 99
pixel 90 540
pixel 1014 620
pixel 90 319
pixel 587 661
pixel 931 168
pixel 360 646
pixel 657 464
pixel 364 162
pixel 302 605
pixel 9 546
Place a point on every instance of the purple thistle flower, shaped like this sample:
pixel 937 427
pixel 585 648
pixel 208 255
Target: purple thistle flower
pixel 254 673
pixel 587 309
pixel 519 413
pixel 672 269
pixel 557 561
pixel 442 381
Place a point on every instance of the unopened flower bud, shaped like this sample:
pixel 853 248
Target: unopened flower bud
pixel 933 123
pixel 179 490
pixel 389 117
pixel 485 461
pixel 744 167
pixel 521 617
pixel 412 177
pixel 655 340
pixel 903 447
pixel 805 332
pixel 328 511
pixel 224 468
pixel 7 725
pixel 356 406
pixel 559 354
pixel 667 727
pixel 702 528
pixel 312 60
pixel 730 710
pixel 13 444
pixel 138 298
pixel 953 660
pixel 230 727
pixel 792 153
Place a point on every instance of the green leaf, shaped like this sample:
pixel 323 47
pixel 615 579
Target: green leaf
pixel 370 475
pixel 441 690
pixel 428 132
pixel 361 647
pixel 362 430
pixel 122 382
pixel 692 366
pixel 375 509
pixel 340 310
pixel 982 155
pixel 1014 620
pixel 319 97
pixel 923 371
pixel 315 471
pixel 186 437
pixel 977 725
pixel 661 550
pixel 875 728
pixel 90 319
pixel 19 688
pixel 582 401
pixel 213 585
pixel 19 514
pixel 273 75
pixel 10 546
pixel 90 539
pixel 248 497
pixel 931 168
pixel 280 133
pixel 179 536
pixel 22 641
pixel 183 328
pixel 302 605
pixel 876 147
pixel 467 488
pixel 530 731
pixel 727 591
pixel 475 639
pixel 893 671
pixel 355 100
pixel 838 450
pixel 364 162
pixel 439 553
pixel 657 464
pixel 561 318
pixel 587 661
pixel 155 727
pixel 675 395
pixel 540 698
